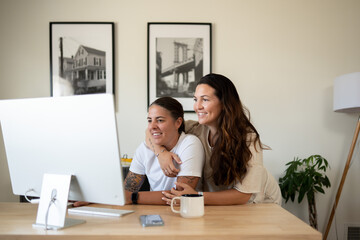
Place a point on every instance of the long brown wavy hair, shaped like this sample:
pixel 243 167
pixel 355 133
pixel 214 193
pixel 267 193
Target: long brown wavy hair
pixel 231 153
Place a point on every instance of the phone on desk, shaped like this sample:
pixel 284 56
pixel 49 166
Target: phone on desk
pixel 151 220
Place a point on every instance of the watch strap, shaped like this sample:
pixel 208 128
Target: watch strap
pixel 134 197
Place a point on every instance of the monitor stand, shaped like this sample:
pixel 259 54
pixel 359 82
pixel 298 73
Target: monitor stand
pixel 53 203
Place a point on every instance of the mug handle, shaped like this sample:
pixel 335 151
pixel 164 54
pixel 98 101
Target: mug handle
pixel 172 204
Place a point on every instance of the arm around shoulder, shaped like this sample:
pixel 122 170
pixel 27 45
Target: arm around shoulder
pixel 192 155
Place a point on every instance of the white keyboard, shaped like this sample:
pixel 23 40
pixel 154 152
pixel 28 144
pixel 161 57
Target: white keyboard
pixel 99 211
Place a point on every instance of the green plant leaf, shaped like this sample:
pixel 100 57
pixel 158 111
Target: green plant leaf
pixel 326 182
pixel 301 195
pixel 292 197
pixel 319 189
pixel 304 177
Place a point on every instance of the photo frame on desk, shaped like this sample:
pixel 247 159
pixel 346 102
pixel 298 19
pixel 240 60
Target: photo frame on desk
pixel 81 58
pixel 179 54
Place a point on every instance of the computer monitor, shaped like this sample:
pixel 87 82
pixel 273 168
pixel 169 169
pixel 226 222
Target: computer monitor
pixel 74 135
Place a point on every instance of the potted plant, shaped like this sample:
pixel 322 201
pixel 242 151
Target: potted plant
pixel 305 177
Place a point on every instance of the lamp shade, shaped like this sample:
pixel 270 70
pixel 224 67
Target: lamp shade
pixel 347 93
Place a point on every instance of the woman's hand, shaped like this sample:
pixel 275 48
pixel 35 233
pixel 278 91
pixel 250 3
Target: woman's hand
pixel 166 161
pixel 168 196
pixel 183 189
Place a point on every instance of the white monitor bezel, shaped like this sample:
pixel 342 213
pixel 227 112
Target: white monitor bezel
pixel 74 135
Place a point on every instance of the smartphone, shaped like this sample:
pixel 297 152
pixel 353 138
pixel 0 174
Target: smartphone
pixel 151 220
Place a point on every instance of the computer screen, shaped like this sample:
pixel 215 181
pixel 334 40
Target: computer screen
pixel 74 135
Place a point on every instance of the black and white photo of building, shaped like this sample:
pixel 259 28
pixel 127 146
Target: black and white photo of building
pixel 85 71
pixel 81 58
pixel 179 66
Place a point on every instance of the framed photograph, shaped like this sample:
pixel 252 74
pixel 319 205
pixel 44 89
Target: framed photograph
pixel 81 58
pixel 179 54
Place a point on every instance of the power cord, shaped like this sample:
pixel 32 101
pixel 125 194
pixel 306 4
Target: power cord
pixel 33 201
pixel 52 201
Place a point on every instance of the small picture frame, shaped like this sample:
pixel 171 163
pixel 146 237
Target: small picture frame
pixel 81 58
pixel 179 54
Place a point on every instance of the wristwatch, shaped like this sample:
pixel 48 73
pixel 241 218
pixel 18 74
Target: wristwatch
pixel 134 197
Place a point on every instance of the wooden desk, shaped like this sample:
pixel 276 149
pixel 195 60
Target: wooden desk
pixel 256 221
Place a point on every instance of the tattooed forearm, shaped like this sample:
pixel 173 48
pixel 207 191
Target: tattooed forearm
pixel 133 182
pixel 190 180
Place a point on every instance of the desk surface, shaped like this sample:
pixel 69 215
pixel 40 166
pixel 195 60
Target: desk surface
pixel 254 221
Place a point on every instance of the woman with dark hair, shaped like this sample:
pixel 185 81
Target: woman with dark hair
pixel 166 128
pixel 233 171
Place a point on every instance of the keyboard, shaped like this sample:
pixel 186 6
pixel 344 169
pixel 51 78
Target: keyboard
pixel 99 211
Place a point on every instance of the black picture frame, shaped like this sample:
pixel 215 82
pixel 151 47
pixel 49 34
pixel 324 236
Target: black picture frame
pixel 82 58
pixel 179 54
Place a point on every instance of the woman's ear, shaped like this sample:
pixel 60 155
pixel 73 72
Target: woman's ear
pixel 178 122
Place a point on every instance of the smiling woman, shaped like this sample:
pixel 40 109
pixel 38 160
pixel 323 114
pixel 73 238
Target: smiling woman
pixel 233 170
pixel 165 125
pixel 165 128
pixel 208 108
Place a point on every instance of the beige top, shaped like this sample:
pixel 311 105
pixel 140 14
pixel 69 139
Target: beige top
pixel 258 180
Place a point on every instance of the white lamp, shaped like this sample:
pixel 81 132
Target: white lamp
pixel 347 93
pixel 346 99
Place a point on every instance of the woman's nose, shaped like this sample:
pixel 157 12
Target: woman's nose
pixel 152 125
pixel 197 105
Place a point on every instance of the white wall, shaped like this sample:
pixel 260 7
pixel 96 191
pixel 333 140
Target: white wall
pixel 282 55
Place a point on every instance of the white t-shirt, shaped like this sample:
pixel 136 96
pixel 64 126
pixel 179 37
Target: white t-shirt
pixel 188 148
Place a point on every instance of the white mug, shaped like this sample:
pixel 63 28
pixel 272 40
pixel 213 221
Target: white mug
pixel 191 205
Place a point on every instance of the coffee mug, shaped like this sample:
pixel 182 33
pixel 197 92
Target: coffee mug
pixel 191 205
